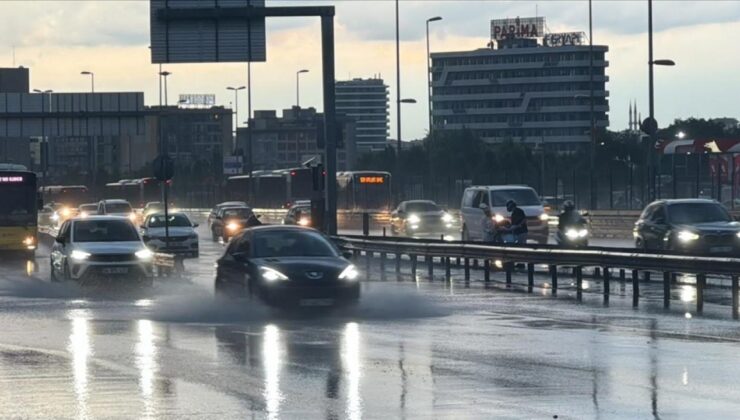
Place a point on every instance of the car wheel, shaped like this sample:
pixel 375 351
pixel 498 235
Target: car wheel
pixel 66 276
pixel 640 244
pixel 465 235
pixel 214 236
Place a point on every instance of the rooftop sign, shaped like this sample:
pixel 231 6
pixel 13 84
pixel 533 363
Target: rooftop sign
pixel 517 28
pixel 564 39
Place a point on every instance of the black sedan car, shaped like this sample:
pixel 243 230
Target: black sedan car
pixel 693 226
pixel 287 266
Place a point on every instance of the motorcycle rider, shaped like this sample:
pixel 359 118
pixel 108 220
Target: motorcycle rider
pixel 518 222
pixel 569 216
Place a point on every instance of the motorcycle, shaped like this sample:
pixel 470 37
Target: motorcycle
pixel 573 235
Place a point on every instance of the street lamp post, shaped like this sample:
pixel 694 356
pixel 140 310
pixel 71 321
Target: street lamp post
pixel 236 110
pixel 429 73
pixel 164 75
pixel 592 152
pixel 92 79
pixel 651 87
pixel 298 86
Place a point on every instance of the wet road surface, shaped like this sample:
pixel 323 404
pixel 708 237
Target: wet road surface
pixel 410 349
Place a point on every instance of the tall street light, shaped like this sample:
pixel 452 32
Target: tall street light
pixel 298 86
pixel 164 75
pixel 236 109
pixel 429 74
pixel 653 126
pixel 592 152
pixel 92 79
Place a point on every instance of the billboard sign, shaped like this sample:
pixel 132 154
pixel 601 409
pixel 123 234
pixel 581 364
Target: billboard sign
pixel 517 28
pixel 206 31
pixel 564 39
pixel 198 100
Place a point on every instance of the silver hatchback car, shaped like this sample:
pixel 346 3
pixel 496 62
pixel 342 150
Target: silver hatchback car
pixel 100 248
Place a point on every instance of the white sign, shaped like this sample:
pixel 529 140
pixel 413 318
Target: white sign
pixel 517 28
pixel 198 100
pixel 563 39
pixel 233 165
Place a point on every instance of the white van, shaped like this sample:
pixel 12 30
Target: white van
pixel 496 196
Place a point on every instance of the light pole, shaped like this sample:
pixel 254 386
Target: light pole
pixel 92 79
pixel 298 86
pixel 164 75
pixel 592 152
pixel 429 74
pixel 398 83
pixel 653 126
pixel 236 109
pixel 44 144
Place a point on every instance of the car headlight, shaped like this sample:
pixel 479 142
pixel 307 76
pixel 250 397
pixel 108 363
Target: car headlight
pixel 498 218
pixel 544 217
pixel 144 254
pixel 447 218
pixel 65 212
pixel 28 241
pixel 233 226
pixel 738 234
pixel 687 236
pixel 304 221
pixel 349 273
pixel 79 255
pixel 271 275
pixel 571 233
pixel 55 216
pixel 414 219
pixel 132 217
pixel 84 214
pixel 583 233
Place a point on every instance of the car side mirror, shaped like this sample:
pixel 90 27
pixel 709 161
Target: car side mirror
pixel 241 256
pixel 347 254
pixel 60 240
pixel 195 225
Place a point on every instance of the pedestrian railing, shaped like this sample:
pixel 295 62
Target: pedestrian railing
pixel 605 260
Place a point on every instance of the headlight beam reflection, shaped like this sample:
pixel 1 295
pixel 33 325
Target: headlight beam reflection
pixel 271 364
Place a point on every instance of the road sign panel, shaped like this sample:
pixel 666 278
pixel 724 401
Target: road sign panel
pixel 205 31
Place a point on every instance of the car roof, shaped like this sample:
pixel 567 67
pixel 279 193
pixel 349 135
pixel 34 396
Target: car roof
pixel 170 213
pixel 232 204
pixel 115 201
pixel 686 201
pixel 89 205
pixel 501 187
pixel 419 201
pixel 100 218
pixel 277 228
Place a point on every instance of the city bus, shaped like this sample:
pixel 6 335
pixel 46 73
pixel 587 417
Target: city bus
pixel 138 192
pixel 364 191
pixel 19 208
pixel 270 189
pixel 65 199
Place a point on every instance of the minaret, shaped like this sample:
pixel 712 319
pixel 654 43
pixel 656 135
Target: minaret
pixel 630 123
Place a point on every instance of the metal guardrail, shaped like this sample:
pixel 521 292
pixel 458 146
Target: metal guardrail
pixel 605 259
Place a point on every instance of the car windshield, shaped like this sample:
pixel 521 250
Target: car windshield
pixel 154 206
pixel 291 243
pixel 174 220
pixel 522 197
pixel 236 213
pixel 693 213
pixel 104 231
pixel 118 208
pixel 88 207
pixel 421 206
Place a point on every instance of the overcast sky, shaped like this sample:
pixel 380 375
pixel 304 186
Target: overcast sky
pixel 59 38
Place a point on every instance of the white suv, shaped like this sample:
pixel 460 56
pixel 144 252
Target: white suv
pixel 182 241
pixel 100 248
pixel 495 197
pixel 117 208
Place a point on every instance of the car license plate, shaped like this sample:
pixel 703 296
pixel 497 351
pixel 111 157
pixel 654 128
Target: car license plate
pixel 316 302
pixel 115 270
pixel 720 249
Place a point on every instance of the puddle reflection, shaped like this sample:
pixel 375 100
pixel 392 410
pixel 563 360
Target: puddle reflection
pixel 352 369
pixel 146 363
pixel 271 364
pixel 81 349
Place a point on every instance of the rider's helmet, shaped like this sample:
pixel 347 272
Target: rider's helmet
pixel 510 205
pixel 569 205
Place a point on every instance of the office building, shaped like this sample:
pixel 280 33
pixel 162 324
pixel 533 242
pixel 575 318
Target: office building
pixel 14 80
pixel 365 101
pixel 526 86
pixel 290 140
pixel 196 138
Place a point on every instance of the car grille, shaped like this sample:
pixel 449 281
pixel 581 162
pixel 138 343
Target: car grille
pixel 112 257
pixel 720 239
pixel 534 221
pixel 174 238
